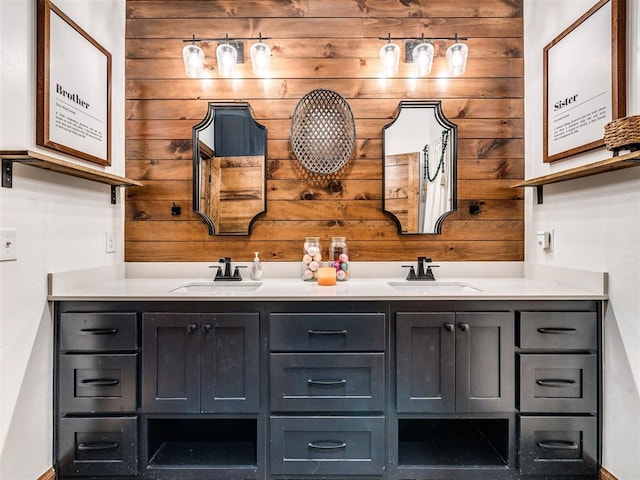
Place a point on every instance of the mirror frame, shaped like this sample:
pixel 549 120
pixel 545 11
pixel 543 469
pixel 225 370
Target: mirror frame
pixel 200 150
pixel 436 106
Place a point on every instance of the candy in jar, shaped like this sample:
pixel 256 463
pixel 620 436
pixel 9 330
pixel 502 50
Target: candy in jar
pixel 339 257
pixel 311 258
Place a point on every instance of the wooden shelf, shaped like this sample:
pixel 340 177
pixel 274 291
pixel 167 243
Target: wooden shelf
pixel 40 160
pixel 615 163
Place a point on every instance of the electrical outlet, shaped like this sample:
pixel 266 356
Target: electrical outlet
pixel 545 240
pixel 110 242
pixel 8 244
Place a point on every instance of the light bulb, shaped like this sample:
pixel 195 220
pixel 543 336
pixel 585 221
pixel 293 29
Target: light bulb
pixel 260 54
pixel 457 59
pixel 193 58
pixel 390 59
pixel 423 59
pixel 227 56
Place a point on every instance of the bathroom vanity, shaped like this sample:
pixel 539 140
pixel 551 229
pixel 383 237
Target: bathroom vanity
pixel 339 383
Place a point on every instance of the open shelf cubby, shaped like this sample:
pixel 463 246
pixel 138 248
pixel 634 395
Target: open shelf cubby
pixel 453 442
pixel 202 443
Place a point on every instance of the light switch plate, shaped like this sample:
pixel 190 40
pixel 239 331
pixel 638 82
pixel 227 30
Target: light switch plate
pixel 8 244
pixel 110 242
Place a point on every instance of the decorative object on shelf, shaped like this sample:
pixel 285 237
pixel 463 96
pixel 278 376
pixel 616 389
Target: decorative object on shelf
pixel 311 258
pixel 623 134
pixel 326 276
pixel 582 93
pixel 323 131
pixel 420 52
pixel 73 101
pixel 229 52
pixel 339 258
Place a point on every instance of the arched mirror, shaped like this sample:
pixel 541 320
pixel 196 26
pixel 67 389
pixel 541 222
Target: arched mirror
pixel 229 165
pixel 420 150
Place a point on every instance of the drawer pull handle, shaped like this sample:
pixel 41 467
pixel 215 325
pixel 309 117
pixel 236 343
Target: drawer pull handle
pixel 555 382
pixel 327 383
pixel 464 327
pixel 558 445
pixel 96 446
pixel 100 331
pixel 557 330
pixel 448 327
pixel 192 327
pixel 328 332
pixel 101 382
pixel 327 445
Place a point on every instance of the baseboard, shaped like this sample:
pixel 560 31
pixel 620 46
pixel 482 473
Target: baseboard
pixel 51 475
pixel 606 474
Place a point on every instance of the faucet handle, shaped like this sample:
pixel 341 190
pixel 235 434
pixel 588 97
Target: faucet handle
pixel 412 272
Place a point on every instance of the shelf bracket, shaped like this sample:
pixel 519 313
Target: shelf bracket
pixel 7 173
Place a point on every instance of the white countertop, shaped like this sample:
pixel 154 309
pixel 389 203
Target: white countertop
pixel 158 282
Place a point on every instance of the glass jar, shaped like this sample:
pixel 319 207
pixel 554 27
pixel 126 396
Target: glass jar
pixel 339 257
pixel 311 258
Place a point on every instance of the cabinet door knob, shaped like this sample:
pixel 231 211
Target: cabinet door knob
pixel 192 328
pixel 207 328
pixel 464 327
pixel 448 327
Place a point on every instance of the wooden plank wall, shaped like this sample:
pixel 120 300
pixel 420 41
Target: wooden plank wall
pixel 324 44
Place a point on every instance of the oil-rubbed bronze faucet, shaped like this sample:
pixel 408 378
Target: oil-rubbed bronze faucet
pixel 224 272
pixel 422 273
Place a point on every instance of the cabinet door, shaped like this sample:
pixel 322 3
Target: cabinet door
pixel 230 367
pixel 485 362
pixel 425 344
pixel 170 357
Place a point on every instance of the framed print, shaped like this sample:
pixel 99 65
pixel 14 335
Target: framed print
pixel 584 81
pixel 73 104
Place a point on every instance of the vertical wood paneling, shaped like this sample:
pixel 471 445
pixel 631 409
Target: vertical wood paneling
pixel 330 44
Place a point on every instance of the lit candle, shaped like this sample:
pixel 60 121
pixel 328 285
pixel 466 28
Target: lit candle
pixel 326 276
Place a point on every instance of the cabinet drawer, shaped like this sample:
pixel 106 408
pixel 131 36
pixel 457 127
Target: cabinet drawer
pixel 97 446
pixel 558 383
pixel 327 445
pixel 331 332
pixel 558 445
pixel 327 382
pixel 95 332
pixel 98 383
pixel 558 330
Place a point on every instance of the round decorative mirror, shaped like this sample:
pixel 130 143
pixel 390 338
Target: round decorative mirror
pixel 323 132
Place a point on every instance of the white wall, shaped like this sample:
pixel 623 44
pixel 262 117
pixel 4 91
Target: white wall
pixel 596 224
pixel 61 224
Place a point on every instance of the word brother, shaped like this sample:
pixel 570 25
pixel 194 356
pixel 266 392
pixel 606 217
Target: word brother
pixel 74 97
pixel 563 103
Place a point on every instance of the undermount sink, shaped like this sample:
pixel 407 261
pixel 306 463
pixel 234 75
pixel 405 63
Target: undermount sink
pixel 433 287
pixel 218 288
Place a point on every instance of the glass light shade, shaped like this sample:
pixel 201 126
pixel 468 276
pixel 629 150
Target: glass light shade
pixel 457 59
pixel 260 53
pixel 390 59
pixel 423 59
pixel 193 57
pixel 227 56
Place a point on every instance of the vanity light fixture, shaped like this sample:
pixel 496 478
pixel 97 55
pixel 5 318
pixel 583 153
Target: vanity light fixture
pixel 420 51
pixel 229 52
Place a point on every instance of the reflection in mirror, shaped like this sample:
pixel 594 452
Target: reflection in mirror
pixel 229 157
pixel 420 149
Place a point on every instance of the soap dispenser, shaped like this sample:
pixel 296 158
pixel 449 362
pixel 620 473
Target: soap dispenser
pixel 256 268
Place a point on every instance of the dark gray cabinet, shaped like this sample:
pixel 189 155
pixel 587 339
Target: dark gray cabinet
pixel 274 390
pixel 454 362
pixel 97 394
pixel 195 363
